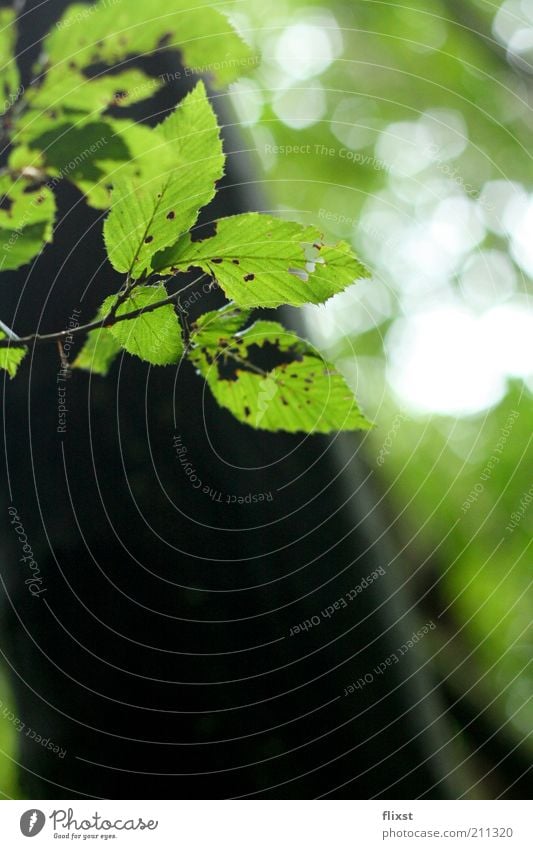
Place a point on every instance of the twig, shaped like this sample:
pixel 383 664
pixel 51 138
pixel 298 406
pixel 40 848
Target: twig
pixel 8 332
pixel 108 321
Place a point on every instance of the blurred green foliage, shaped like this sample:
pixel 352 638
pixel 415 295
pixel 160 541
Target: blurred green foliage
pixel 406 128
pixel 8 744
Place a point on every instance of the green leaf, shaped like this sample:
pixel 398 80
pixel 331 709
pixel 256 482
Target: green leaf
pixel 10 88
pixel 154 336
pixel 188 159
pixel 23 159
pixel 260 261
pixel 300 393
pixel 94 153
pixel 90 154
pixel 11 358
pixel 219 324
pixel 98 352
pixel 111 30
pixel 67 94
pixel 135 153
pixel 26 221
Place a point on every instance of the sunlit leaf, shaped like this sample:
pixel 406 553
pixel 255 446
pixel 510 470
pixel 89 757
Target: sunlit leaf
pixel 66 96
pixel 154 336
pixel 94 153
pixel 146 218
pixel 10 88
pixel 111 30
pixel 11 357
pixel 26 221
pixel 271 379
pixel 260 261
pixel 98 352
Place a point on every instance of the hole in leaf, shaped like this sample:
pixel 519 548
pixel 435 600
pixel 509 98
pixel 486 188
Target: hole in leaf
pixel 264 357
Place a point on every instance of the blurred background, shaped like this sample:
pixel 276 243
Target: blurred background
pixel 405 128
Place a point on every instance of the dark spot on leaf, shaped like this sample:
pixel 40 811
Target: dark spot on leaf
pixel 52 114
pixel 149 239
pixel 247 411
pixel 121 94
pixel 6 203
pixel 72 66
pixel 40 199
pixel 165 40
pixel 283 401
pixel 171 215
pixel 235 262
pixel 318 246
pixel 249 277
pixel 216 260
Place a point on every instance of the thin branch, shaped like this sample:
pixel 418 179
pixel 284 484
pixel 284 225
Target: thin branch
pixel 108 321
pixel 246 363
pixel 10 334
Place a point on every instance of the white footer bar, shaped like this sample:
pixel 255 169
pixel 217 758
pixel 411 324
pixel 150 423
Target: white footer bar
pixel 269 824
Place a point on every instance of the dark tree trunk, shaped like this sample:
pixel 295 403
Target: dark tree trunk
pixel 159 655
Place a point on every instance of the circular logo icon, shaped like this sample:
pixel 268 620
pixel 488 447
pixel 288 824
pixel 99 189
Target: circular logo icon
pixel 32 822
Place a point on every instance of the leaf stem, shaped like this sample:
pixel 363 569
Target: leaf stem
pixel 108 321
